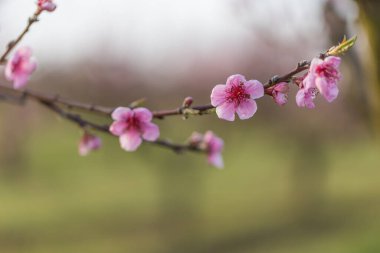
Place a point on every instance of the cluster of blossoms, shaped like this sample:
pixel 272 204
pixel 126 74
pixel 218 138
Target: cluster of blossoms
pixel 322 78
pixel 237 96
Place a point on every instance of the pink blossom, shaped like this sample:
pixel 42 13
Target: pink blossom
pixel 213 146
pixel 324 75
pixel 279 93
pixel 237 95
pixel 46 5
pixel 88 143
pixel 20 67
pixel 133 125
pixel 305 97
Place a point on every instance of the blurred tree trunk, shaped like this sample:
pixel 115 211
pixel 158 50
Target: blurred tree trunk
pixel 370 21
pixel 338 27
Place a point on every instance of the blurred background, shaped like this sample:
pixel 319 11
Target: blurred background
pixel 295 180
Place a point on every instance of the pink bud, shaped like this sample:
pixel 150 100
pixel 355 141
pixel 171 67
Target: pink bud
pixel 187 102
pixel 212 144
pixel 279 93
pixel 89 143
pixel 195 139
pixel 46 5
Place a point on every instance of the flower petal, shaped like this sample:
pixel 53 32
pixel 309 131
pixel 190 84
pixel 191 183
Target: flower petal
pixel 89 143
pixel 235 80
pixel 213 142
pixel 30 66
pixel 24 52
pixel 143 114
pixel 309 80
pixel 218 95
pixel 315 63
pixel 329 91
pixel 322 85
pixel 333 61
pixel 246 109
pixel 20 81
pixel 254 88
pixel 9 71
pixel 305 99
pixel 282 87
pixel 226 111
pixel 121 113
pixel 300 98
pixel 216 160
pixel 150 131
pixel 130 141
pixel 49 7
pixel 118 128
pixel 332 93
pixel 280 98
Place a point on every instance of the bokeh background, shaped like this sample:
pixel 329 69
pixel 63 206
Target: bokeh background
pixel 295 180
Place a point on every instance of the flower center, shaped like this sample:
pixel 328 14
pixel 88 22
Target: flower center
pixel 328 72
pixel 312 93
pixel 237 94
pixel 133 123
pixel 16 64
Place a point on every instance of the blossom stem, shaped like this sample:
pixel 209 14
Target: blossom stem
pixel 301 66
pixel 195 110
pixel 77 119
pixel 55 99
pixel 178 148
pixel 11 45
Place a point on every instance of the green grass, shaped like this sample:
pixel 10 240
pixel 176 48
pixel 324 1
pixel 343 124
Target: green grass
pixel 271 197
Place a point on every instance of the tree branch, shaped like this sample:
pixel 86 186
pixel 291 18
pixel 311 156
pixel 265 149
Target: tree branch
pixel 161 114
pixel 13 43
pixel 78 120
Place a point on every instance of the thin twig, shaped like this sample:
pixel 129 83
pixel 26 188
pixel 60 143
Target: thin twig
pixel 13 43
pixel 301 66
pixel 55 99
pixel 75 118
pixel 178 148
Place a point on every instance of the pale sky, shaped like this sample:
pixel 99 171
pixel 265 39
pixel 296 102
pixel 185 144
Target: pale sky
pixel 149 30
